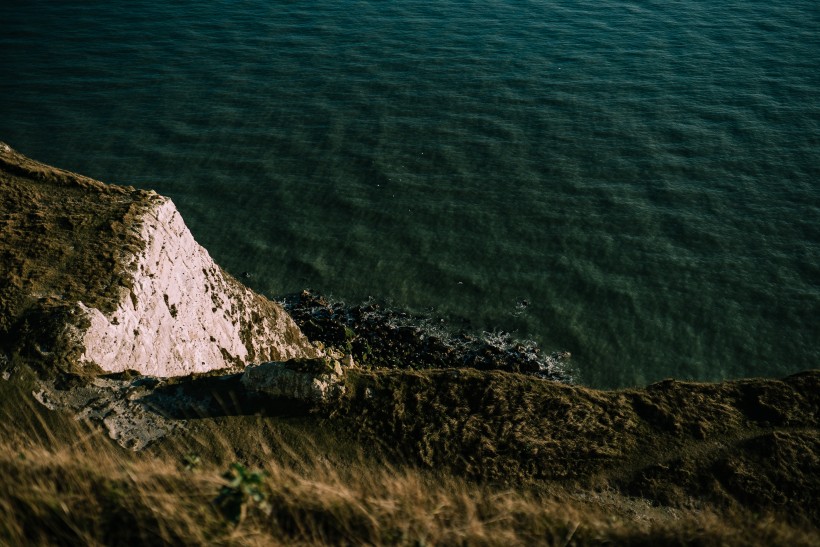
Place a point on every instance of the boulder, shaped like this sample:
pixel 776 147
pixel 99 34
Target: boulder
pixel 309 381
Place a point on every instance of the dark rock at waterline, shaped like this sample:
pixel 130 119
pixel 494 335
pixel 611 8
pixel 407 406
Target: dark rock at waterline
pixel 379 336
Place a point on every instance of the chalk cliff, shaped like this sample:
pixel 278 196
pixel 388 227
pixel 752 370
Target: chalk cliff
pixel 183 314
pixel 100 277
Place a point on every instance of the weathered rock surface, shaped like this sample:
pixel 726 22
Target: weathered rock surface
pixel 124 408
pixel 309 381
pixel 95 276
pixel 183 315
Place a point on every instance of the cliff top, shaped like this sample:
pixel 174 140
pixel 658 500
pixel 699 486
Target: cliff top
pixel 97 277
pixel 56 230
pixel 56 234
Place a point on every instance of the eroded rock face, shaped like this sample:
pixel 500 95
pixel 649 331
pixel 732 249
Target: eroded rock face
pixel 183 314
pixel 97 277
pixel 309 381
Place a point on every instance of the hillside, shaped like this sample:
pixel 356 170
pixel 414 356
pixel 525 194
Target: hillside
pixel 406 440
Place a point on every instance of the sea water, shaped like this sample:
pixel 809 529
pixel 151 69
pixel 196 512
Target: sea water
pixel 633 182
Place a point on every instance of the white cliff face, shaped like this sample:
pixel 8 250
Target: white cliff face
pixel 183 315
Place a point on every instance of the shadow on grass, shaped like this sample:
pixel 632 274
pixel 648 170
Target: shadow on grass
pixel 216 396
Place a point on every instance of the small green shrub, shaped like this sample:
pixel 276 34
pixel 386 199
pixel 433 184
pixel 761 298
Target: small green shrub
pixel 245 489
pixel 191 462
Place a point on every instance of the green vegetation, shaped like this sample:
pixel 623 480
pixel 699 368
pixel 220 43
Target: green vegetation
pixel 244 489
pixel 735 444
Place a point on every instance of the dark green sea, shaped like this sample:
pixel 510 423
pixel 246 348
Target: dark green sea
pixel 635 182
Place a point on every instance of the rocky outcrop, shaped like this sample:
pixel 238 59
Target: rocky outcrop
pixel 183 314
pixel 101 277
pixel 381 336
pixel 310 381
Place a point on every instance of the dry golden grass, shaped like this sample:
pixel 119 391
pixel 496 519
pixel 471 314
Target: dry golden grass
pixel 64 483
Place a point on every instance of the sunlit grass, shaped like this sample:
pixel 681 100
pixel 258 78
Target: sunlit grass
pixel 66 483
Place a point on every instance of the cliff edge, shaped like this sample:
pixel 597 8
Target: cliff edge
pixel 108 300
pixel 102 278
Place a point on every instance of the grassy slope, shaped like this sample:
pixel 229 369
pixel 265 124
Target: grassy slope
pixel 67 484
pixel 747 445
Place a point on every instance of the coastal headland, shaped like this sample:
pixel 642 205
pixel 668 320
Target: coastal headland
pixel 135 371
